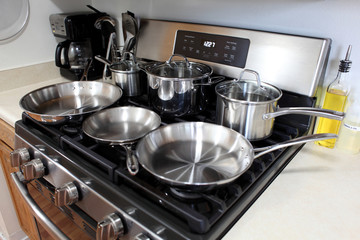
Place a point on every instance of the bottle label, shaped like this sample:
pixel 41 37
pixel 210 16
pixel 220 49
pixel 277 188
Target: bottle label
pixel 354 128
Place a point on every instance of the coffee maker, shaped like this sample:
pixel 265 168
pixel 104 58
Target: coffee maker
pixel 84 39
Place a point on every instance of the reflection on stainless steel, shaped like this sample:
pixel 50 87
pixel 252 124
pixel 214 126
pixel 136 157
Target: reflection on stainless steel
pixel 68 99
pixel 195 154
pixel 121 124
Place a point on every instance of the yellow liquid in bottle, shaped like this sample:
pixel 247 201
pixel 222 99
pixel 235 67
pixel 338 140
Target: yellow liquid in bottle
pixel 334 100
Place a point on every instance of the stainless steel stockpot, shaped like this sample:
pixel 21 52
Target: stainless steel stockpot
pixel 178 88
pixel 250 106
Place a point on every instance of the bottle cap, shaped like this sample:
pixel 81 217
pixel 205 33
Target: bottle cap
pixel 345 64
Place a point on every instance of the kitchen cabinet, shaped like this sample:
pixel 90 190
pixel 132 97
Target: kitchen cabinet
pixel 26 220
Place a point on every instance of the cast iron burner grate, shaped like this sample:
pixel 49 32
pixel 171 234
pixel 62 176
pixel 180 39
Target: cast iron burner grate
pixel 200 211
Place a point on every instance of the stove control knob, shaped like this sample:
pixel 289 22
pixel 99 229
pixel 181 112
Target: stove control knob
pixel 111 227
pixel 19 157
pixel 33 169
pixel 66 195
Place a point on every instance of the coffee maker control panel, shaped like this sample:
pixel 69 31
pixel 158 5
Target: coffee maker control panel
pixel 74 26
pixel 57 22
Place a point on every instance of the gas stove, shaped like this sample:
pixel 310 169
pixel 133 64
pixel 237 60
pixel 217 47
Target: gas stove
pixel 89 182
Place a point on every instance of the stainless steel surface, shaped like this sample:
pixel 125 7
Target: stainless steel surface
pixel 280 57
pixel 300 140
pixel 66 195
pixel 120 124
pixel 36 210
pixel 60 102
pixel 319 112
pixel 19 156
pixel 110 228
pixel 99 198
pixel 195 155
pixel 33 169
pixel 200 156
pixel 242 106
pixel 178 88
pixel 128 75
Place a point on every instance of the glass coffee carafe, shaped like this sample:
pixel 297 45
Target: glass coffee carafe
pixel 73 55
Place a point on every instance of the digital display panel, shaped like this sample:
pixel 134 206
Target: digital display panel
pixel 221 49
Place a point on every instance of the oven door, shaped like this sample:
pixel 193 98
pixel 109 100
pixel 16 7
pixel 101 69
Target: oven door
pixel 53 222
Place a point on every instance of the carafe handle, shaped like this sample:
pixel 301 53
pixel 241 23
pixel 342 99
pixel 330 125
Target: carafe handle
pixel 59 49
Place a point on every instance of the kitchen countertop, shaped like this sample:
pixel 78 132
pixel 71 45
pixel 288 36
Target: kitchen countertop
pixel 315 197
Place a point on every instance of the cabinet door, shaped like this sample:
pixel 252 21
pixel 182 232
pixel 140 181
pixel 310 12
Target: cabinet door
pixel 26 220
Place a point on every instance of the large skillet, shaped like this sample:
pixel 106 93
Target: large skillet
pixel 61 102
pixel 198 156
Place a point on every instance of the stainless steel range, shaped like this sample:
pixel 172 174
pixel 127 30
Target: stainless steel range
pixel 69 177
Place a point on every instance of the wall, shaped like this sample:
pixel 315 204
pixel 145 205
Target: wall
pixel 323 18
pixel 36 44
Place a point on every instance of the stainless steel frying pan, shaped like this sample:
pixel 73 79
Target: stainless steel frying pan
pixel 122 126
pixel 61 102
pixel 199 156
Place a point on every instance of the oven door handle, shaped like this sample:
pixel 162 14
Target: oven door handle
pixel 50 227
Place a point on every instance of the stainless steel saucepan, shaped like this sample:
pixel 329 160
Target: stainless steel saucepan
pixel 199 156
pixel 250 107
pixel 127 74
pixel 122 126
pixel 59 103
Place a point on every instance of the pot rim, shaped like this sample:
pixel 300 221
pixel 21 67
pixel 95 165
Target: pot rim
pixel 249 102
pixel 178 79
pixel 149 70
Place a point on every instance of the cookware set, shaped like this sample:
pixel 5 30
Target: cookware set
pixel 197 156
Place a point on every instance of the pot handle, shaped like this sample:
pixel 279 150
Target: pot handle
pixel 131 57
pixel 300 140
pixel 211 81
pixel 179 55
pixel 256 74
pixel 319 112
pixel 132 163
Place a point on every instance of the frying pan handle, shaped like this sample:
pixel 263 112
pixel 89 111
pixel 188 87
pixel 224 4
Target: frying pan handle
pixel 132 163
pixel 299 140
pixel 306 111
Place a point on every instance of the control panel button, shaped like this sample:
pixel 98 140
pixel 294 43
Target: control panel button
pixel 110 228
pixel 19 157
pixel 33 169
pixel 66 195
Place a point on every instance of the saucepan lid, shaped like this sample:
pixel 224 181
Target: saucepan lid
pixel 183 70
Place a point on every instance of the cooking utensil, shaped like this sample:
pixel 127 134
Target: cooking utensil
pixel 198 156
pixel 178 88
pixel 62 102
pixel 127 74
pixel 242 106
pixel 122 126
pixel 130 31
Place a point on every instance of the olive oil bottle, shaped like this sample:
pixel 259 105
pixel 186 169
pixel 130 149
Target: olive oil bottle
pixel 335 99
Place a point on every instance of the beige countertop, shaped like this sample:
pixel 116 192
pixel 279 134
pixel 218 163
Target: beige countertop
pixel 315 197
